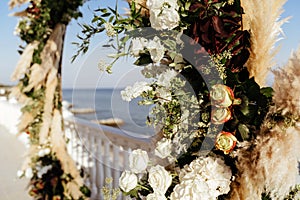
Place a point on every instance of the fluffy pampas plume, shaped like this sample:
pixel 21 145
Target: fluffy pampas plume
pixel 262 20
pixel 287 86
pixel 14 3
pixel 25 61
pixel 270 163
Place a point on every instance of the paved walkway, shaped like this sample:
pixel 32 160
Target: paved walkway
pixel 11 157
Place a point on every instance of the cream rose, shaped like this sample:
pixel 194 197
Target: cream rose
pixel 128 181
pixel 163 148
pixel 156 196
pixel 194 188
pixel 163 14
pixel 225 142
pixel 159 179
pixel 220 115
pixel 203 178
pixel 221 95
pixel 138 161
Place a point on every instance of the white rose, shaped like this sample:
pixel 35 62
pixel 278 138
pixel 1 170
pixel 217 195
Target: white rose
pixel 163 148
pixel 128 181
pixel 138 161
pixel 191 189
pixel 163 14
pixel 138 45
pixel 156 49
pixel 28 173
pixel 156 196
pixel 159 179
pixel 203 178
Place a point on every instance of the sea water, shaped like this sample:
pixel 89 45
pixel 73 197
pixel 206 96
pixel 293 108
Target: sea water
pixel 108 103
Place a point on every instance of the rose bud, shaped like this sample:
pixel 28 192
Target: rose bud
pixel 33 192
pixel 220 115
pixel 56 197
pixel 39 185
pixel 221 95
pixel 225 142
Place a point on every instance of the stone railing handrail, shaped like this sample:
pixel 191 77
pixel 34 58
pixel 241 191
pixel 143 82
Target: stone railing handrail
pixel 102 151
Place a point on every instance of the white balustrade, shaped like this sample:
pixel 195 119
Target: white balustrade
pixel 101 151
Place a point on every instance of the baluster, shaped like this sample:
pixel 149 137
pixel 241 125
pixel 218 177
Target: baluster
pixel 99 167
pixel 117 165
pixel 107 163
pixel 92 168
pixel 84 153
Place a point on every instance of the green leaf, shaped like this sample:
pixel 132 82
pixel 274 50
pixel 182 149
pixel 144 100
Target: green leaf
pixel 244 107
pixel 103 10
pixel 187 5
pixel 244 131
pixel 96 18
pixel 267 92
pixel 106 15
pixel 253 91
pixel 85 190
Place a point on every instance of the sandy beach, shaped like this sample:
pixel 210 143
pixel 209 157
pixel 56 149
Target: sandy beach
pixel 12 151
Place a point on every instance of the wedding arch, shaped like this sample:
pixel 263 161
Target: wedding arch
pixel 222 133
pixel 52 172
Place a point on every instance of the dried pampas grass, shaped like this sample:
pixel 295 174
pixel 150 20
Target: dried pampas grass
pixel 287 86
pixel 51 86
pixel 25 61
pixel 262 19
pixel 14 3
pixel 67 163
pixel 268 165
pixel 50 57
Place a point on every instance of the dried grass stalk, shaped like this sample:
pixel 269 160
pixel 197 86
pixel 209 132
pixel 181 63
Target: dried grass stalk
pixel 50 58
pixel 16 93
pixel 287 86
pixel 24 62
pixel 48 106
pixel 269 165
pixel 14 3
pixel 59 147
pixel 262 19
pixel 25 120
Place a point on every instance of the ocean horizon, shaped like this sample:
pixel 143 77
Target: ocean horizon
pixel 107 103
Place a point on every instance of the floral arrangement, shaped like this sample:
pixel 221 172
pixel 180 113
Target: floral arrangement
pixel 52 172
pixel 221 133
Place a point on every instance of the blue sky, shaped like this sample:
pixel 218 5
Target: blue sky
pixel 83 73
